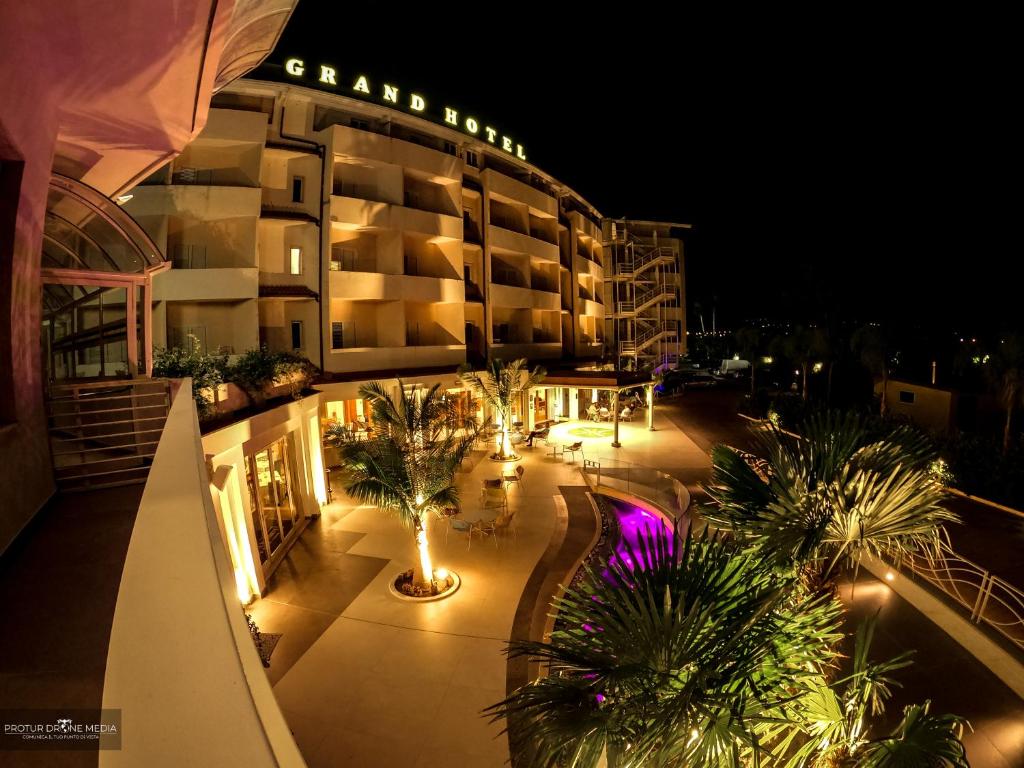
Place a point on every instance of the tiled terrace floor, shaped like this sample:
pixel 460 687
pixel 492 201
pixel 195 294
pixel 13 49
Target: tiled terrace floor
pixel 365 679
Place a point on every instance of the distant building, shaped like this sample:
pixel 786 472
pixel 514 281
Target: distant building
pixel 929 407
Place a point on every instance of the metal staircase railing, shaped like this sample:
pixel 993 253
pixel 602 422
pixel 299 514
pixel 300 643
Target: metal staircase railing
pixel 644 261
pixel 104 434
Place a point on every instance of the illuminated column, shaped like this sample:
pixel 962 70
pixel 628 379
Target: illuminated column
pixel 650 406
pixel 574 403
pixel 615 419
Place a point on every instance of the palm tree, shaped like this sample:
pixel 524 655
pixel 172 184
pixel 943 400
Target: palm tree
pixel 820 501
pixel 1006 372
pixel 833 722
pixel 408 467
pixel 501 387
pixel 804 346
pixel 675 652
pixel 870 343
pixel 748 346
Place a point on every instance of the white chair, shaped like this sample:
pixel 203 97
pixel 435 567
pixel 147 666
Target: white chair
pixel 572 449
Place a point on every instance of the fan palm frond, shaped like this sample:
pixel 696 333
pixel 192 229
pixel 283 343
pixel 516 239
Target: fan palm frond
pixel 677 651
pixel 840 490
pixel 921 740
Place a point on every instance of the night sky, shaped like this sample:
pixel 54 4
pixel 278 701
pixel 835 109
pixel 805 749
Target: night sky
pixel 862 171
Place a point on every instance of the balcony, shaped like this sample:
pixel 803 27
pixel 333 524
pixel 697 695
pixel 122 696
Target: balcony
pixel 176 552
pixel 512 240
pixel 513 297
pixel 394 358
pixel 381 287
pixel 354 213
pixel 217 284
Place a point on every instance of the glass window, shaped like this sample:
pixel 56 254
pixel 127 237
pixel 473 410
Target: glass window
pixel 296 334
pixel 297 184
pixel 295 261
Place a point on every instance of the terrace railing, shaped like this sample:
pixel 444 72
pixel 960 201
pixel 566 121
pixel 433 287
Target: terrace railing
pixel 661 488
pixel 985 597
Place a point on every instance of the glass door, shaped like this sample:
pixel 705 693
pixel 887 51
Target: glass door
pixel 274 509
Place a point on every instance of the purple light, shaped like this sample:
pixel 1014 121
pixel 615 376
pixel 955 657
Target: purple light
pixel 631 520
pixel 600 698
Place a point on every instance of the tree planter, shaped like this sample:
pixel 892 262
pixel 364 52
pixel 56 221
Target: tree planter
pixel 402 587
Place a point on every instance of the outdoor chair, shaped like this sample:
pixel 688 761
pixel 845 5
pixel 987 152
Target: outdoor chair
pixel 492 497
pixel 503 523
pixel 626 415
pixel 481 528
pixel 507 524
pixel 448 515
pixel 572 449
pixel 515 477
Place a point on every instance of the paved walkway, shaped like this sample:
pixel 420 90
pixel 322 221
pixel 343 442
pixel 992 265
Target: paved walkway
pixel 370 680
pixel 58 586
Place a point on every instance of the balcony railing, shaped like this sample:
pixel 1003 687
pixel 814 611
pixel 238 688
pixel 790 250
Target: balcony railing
pixel 985 597
pixel 426 335
pixel 154 643
pixel 188 256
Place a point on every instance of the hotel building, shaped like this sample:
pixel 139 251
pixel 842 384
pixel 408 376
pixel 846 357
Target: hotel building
pixel 375 241
pixel 367 239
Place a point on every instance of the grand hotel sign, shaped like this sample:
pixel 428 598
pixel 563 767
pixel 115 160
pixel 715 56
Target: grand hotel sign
pixel 329 78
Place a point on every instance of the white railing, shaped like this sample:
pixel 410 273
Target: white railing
pixel 181 663
pixel 666 492
pixel 984 596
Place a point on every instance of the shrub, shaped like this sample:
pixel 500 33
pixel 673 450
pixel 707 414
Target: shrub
pixel 259 368
pixel 205 370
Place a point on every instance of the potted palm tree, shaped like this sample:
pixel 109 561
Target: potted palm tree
pixel 501 386
pixel 408 467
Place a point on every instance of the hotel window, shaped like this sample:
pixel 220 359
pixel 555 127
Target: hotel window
pixel 337 335
pixel 295 261
pixel 360 124
pixel 451 149
pixel 343 259
pixel 296 334
pixel 297 188
pixel 471 158
pixel 907 397
pixel 179 337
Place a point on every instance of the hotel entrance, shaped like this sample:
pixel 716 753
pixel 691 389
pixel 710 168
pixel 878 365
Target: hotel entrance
pixel 276 507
